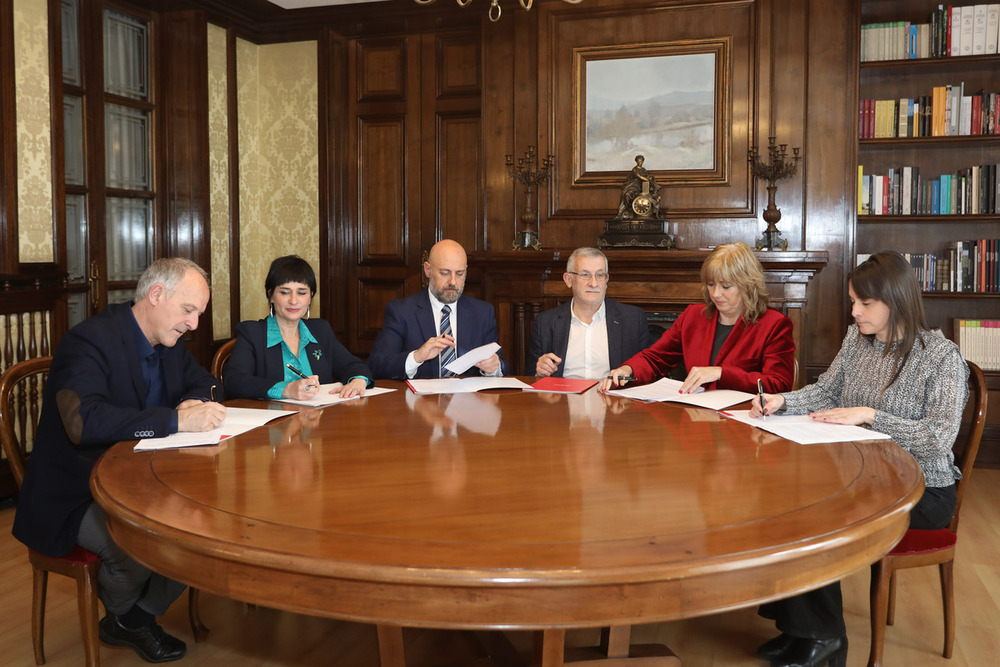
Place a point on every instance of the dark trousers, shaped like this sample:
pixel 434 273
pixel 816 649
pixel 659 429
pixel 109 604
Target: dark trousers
pixel 121 582
pixel 819 614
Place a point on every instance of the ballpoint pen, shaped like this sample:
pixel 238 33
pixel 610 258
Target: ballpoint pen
pixel 760 397
pixel 299 373
pixel 212 393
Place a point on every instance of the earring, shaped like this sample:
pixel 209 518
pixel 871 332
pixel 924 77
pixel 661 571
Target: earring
pixel 272 308
pixel 307 311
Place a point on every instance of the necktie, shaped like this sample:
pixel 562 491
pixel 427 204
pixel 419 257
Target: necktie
pixel 447 354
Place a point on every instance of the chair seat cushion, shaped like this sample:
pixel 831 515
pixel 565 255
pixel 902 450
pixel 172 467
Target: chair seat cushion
pixel 924 541
pixel 77 555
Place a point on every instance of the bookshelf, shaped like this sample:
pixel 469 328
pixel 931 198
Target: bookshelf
pixel 912 78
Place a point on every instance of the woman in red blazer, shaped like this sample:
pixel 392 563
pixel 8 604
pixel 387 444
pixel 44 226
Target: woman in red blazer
pixel 730 341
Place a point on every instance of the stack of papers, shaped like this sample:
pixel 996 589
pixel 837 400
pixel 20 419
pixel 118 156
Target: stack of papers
pixel 804 430
pixel 238 420
pixel 666 389
pixel 325 397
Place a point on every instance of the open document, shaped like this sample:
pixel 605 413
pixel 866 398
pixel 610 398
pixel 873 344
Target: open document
pixel 804 430
pixel 327 395
pixel 238 420
pixel 665 389
pixel 463 385
pixel 472 357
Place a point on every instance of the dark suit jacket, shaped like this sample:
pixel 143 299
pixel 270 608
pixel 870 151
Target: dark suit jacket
pixel 409 322
pixel 253 368
pixel 97 376
pixel 762 350
pixel 628 334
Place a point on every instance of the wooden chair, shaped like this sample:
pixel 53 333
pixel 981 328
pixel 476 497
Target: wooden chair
pixel 20 405
pixel 220 358
pixel 929 547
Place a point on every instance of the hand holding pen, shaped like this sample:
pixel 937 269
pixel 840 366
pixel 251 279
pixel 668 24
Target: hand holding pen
pixel 766 404
pixel 303 389
pixel 617 378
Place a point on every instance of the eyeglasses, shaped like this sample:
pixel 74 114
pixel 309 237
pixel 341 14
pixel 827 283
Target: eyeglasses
pixel 585 276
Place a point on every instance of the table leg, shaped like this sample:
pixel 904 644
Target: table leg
pixel 390 646
pixel 549 653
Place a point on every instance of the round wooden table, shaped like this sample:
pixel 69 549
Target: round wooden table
pixel 506 509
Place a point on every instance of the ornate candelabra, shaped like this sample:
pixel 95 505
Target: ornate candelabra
pixel 526 174
pixel 778 166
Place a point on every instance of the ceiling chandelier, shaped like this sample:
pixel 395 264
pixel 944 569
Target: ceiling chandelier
pixel 495 6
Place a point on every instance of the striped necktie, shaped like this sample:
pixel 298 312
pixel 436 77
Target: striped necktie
pixel 447 354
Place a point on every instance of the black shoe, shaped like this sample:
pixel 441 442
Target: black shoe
pixel 805 652
pixel 150 641
pixel 775 648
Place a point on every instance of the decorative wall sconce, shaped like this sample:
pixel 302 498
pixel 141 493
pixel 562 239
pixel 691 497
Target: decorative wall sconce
pixel 495 10
pixel 778 167
pixel 526 174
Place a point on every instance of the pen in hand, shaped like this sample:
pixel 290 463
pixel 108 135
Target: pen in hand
pixel 760 397
pixel 212 393
pixel 299 373
pixel 622 378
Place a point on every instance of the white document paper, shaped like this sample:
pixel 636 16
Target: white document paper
pixel 238 420
pixel 472 357
pixel 463 385
pixel 323 397
pixel 804 430
pixel 667 390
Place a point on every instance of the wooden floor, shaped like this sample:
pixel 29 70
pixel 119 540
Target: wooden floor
pixel 245 636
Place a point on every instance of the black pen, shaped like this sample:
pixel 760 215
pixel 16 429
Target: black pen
pixel 623 378
pixel 760 397
pixel 212 393
pixel 298 372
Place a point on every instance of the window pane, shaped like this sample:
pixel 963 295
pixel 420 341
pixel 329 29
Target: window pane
pixel 71 42
pixel 126 55
pixel 76 305
pixel 130 237
pixel 76 238
pixel 73 130
pixel 120 295
pixel 127 135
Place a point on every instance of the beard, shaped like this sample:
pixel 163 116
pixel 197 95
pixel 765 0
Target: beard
pixel 445 294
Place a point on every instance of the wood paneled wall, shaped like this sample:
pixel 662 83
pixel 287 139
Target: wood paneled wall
pixel 431 113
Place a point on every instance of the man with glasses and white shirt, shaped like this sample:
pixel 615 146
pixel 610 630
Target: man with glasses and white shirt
pixel 589 335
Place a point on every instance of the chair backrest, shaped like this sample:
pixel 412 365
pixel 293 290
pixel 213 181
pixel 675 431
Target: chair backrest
pixel 220 358
pixel 966 458
pixel 20 404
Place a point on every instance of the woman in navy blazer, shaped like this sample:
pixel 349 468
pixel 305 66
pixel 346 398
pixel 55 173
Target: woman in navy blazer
pixel 285 355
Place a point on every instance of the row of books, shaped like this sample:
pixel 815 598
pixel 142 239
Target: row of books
pixel 979 342
pixel 967 266
pixel 905 191
pixel 969 30
pixel 946 112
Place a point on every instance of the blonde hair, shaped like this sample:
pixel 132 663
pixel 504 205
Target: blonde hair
pixel 735 264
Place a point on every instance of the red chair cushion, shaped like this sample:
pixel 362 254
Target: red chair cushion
pixel 79 555
pixel 924 541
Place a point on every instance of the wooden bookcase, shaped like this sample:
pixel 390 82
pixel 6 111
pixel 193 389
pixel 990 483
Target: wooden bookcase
pixel 894 79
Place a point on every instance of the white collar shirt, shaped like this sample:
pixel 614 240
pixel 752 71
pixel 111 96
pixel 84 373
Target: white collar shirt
pixel 587 351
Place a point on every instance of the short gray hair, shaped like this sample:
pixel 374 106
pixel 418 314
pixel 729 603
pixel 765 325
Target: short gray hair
pixel 585 252
pixel 167 271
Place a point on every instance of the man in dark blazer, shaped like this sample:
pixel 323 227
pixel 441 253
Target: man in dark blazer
pixel 119 375
pixel 589 335
pixel 413 343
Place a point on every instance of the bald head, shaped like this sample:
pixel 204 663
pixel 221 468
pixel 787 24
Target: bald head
pixel 445 269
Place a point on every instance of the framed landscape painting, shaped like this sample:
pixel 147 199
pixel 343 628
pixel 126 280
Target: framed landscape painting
pixel 666 102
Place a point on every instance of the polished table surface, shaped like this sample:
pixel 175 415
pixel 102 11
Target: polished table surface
pixel 507 509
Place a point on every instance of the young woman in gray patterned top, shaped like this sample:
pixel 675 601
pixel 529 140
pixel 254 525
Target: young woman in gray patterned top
pixel 895 376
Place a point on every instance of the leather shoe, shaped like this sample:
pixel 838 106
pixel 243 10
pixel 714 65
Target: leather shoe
pixel 150 641
pixel 806 652
pixel 774 648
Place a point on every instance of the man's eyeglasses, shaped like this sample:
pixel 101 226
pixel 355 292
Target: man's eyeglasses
pixel 585 276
